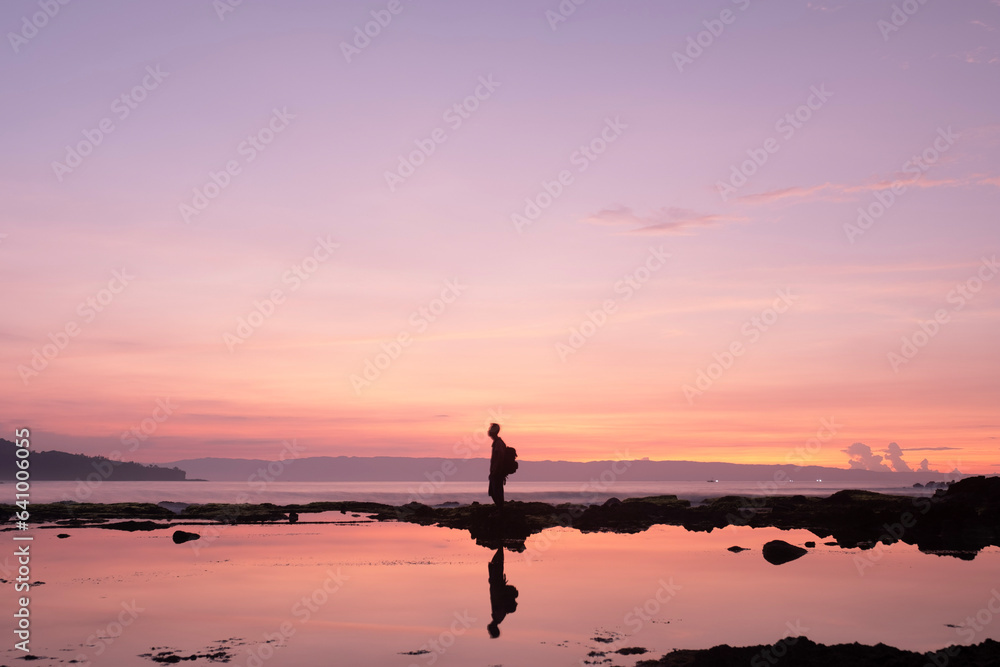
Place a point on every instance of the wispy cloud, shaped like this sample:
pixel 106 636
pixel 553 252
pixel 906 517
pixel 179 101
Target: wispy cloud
pixel 981 55
pixel 840 192
pixel 825 192
pixel 822 7
pixel 665 221
pixel 929 449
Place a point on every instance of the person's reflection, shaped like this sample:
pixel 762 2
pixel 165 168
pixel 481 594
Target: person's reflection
pixel 503 596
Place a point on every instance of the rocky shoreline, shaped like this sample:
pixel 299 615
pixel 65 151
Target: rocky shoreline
pixel 958 521
pixel 802 651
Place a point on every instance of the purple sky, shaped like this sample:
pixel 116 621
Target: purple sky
pixel 665 130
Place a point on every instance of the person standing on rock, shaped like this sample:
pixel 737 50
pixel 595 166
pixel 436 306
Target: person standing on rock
pixel 501 462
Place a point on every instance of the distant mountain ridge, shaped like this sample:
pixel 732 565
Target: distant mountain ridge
pixel 406 469
pixel 55 465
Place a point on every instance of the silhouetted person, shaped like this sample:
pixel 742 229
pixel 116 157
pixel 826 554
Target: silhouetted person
pixel 503 596
pixel 497 477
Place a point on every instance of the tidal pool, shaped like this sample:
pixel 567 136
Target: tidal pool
pixel 401 595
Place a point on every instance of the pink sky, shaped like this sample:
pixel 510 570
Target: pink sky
pixel 504 291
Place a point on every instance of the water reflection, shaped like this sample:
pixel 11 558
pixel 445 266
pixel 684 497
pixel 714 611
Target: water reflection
pixel 503 596
pixel 572 587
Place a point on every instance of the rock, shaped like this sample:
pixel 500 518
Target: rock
pixel 293 517
pixel 182 536
pixel 811 545
pixel 831 544
pixel 778 552
pixel 802 651
pixel 736 550
pixel 611 502
pixel 174 507
pixel 62 536
pixel 132 526
pixel 918 485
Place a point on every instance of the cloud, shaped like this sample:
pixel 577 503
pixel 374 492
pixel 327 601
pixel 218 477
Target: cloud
pixel 825 192
pixel 894 455
pixel 981 55
pixel 820 7
pixel 675 221
pixel 862 458
pixel 842 192
pixel 930 449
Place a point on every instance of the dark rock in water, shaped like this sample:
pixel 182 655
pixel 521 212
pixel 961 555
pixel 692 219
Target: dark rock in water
pixel 736 550
pixel 293 517
pixel 811 545
pixel 132 526
pixel 611 502
pixel 170 657
pixel 182 536
pixel 778 552
pixel 62 536
pixel 831 544
pixel 918 485
pixel 954 553
pixel 632 650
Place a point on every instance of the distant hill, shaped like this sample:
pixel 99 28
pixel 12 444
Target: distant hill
pixel 403 469
pixel 54 465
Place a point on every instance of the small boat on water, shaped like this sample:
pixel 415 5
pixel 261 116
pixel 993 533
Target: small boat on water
pixel 714 481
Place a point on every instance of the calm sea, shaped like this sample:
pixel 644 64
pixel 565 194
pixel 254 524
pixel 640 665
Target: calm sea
pixel 429 493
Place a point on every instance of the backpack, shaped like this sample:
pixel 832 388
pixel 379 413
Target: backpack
pixel 509 465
